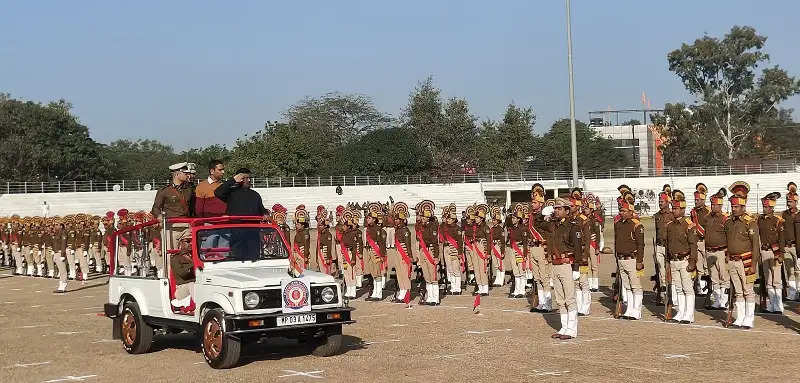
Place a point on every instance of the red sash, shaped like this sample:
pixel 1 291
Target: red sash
pixel 323 265
pixel 477 250
pixel 301 255
pixel 520 253
pixel 696 220
pixel 424 248
pixel 535 233
pixel 345 253
pixel 454 244
pixel 403 255
pixel 496 253
pixel 377 250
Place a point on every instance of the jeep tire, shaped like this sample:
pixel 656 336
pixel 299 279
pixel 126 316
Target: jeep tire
pixel 330 344
pixel 219 349
pixel 137 336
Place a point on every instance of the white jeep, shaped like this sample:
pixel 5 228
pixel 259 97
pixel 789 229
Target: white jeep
pixel 242 291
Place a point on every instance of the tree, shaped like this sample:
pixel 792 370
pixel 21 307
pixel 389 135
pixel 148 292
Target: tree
pixel 47 142
pixel 282 149
pixel 685 140
pixel 392 151
pixel 732 101
pixel 515 137
pixel 446 130
pixel 553 150
pixel 341 117
pixel 142 159
pixel 203 155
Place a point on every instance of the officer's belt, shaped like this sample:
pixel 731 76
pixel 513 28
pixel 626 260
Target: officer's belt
pixel 564 259
pixel 716 248
pixel 740 257
pixel 678 256
pixel 769 247
pixel 535 244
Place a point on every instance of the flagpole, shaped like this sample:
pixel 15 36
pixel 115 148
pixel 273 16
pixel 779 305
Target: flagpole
pixel 573 136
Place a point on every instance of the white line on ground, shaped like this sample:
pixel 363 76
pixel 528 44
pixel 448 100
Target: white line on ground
pixel 106 341
pixel 373 316
pixel 684 356
pixel 33 326
pixel 68 332
pixel 70 378
pixel 488 331
pixel 452 356
pixel 309 374
pixel 29 364
pixel 548 373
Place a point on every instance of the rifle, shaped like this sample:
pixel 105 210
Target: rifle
pixel 657 277
pixel 784 282
pixel 618 291
pixel 762 289
pixel 729 317
pixel 668 293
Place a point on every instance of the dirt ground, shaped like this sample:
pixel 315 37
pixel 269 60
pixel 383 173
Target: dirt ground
pixel 63 338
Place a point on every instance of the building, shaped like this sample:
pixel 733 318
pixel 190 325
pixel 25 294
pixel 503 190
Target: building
pixel 640 141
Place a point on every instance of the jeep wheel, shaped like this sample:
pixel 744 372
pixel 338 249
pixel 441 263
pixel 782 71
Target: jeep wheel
pixel 137 336
pixel 219 350
pixel 331 344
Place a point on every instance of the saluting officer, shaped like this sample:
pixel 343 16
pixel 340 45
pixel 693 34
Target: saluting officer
pixel 565 252
pixel 744 253
pixel 770 230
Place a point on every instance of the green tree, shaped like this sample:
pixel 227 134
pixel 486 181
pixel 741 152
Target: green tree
pixel 341 117
pixel 203 155
pixel 685 140
pixel 392 151
pixel 553 149
pixel 284 150
pixel 142 159
pixel 733 103
pixel 47 142
pixel 447 130
pixel 515 135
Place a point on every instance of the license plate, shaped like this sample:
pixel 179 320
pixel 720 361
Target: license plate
pixel 290 320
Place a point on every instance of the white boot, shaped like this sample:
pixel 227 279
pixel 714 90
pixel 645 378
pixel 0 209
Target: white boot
pixel 431 297
pixel 740 313
pixel 455 285
pixel 750 312
pixel 564 323
pixel 578 299
pixel 688 315
pixel 778 300
pixel 572 319
pixel 359 281
pixel 31 270
pixel 376 285
pixel 51 273
pixel 791 291
pixel 401 294
pixel 681 307
pixel 625 292
pixel 548 299
pixel 40 270
pixel 723 298
pixel 540 294
pixel 499 278
pixel 19 270
pixel 630 307
pixel 436 294
pixel 62 287
pixel 703 285
pixel 353 291
pixel 637 306
pixel 72 274
pixel 184 302
pixel 587 302
pixel 519 288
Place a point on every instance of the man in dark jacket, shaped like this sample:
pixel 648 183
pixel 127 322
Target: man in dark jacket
pixel 240 198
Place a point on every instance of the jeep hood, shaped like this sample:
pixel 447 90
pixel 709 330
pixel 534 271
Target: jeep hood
pixel 254 277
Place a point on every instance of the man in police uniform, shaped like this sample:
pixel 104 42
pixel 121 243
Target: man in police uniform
pixel 744 253
pixel 400 256
pixel 322 244
pixel 629 250
pixel 517 250
pixel 699 214
pixel 452 247
pixel 301 246
pixel 770 230
pixel 427 236
pixel 565 252
pixel 661 219
pixel 716 246
pixel 583 295
pixel 375 250
pixel 791 233
pixel 682 256
pixel 175 200
pixel 537 239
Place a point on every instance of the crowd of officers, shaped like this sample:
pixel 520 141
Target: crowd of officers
pixel 549 248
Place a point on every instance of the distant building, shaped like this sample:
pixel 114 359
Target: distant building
pixel 638 141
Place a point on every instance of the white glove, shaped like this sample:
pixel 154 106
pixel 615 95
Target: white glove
pixel 547 211
pixel 576 275
pixel 602 242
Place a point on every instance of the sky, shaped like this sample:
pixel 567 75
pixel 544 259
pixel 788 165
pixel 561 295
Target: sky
pixel 194 73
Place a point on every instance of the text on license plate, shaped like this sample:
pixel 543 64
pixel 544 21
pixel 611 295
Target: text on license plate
pixel 289 320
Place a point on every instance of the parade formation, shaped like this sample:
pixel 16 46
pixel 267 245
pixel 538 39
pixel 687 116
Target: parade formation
pixel 549 249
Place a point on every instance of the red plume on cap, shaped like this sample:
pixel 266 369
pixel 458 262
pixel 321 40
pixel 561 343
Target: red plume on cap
pixel 320 208
pixel 301 207
pixel 122 212
pixel 279 208
pixel 110 214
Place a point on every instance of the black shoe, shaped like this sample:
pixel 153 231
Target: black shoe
pixel 371 299
pixel 455 293
pixel 685 322
pixel 484 294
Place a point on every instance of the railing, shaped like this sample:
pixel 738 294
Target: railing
pixel 303 181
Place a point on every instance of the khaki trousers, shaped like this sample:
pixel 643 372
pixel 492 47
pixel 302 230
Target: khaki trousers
pixel 184 290
pixel 702 262
pixel 452 260
pixel 83 261
pixel 173 231
pixel 661 251
pixel 16 252
pixel 497 264
pixel 480 264
pixel 123 259
pixel 48 258
pixel 742 289
pixel 27 253
pixel 59 259
pixel 718 270
pixel 348 270
pixel 594 262
pixel 468 259
pixel 630 276
pixel 564 288
pixel 681 279
pixel 541 267
pixel 790 260
pixel 429 269
pixel 772 269
pixel 514 260
pixel 401 269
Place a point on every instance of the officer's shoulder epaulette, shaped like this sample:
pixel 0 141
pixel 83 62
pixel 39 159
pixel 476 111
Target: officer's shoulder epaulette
pixel 583 217
pixel 780 219
pixel 747 217
pixel 636 222
pixel 708 208
pixel 689 221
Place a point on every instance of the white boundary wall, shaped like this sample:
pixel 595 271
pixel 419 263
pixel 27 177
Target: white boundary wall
pixel 460 194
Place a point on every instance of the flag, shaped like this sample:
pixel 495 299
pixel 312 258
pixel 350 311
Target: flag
pixel 476 306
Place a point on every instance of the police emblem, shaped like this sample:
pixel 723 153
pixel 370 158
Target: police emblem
pixel 295 295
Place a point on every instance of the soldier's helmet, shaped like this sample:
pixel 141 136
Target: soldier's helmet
pixel 449 212
pixel 278 213
pixel 426 208
pixel 719 197
pixel 347 217
pixel 537 193
pixel 301 215
pixel 373 210
pixel 496 213
pixel 739 191
pixel 472 211
pixel 792 194
pixel 356 216
pixel 322 215
pixel 576 197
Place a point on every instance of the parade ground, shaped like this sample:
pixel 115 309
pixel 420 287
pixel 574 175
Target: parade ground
pixel 64 338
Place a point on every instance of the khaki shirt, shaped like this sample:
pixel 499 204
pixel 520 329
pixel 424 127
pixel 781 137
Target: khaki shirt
pixel 174 202
pixel 629 238
pixel 699 216
pixel 682 240
pixel 742 235
pixel 789 223
pixel 770 232
pixel 715 230
pixel 661 220
pixel 565 238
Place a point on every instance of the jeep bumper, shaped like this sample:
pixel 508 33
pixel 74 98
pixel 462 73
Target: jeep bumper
pixel 264 323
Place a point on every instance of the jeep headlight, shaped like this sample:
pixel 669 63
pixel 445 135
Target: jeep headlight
pixel 327 294
pixel 251 300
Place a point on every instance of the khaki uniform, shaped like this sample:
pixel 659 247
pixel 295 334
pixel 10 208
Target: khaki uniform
pixel 59 245
pixel 325 255
pixel 699 215
pixel 743 257
pixel 452 247
pixel 496 241
pixel 401 259
pixel 594 252
pixel 174 201
pixel 629 250
pixel 541 267
pixel 565 252
pixel 480 255
pixel 682 257
pixel 791 231
pixel 716 246
pixel 350 245
pixel 770 230
pixel 583 293
pixel 661 219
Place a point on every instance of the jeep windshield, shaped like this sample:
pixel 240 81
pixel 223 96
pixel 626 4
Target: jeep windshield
pixel 240 244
